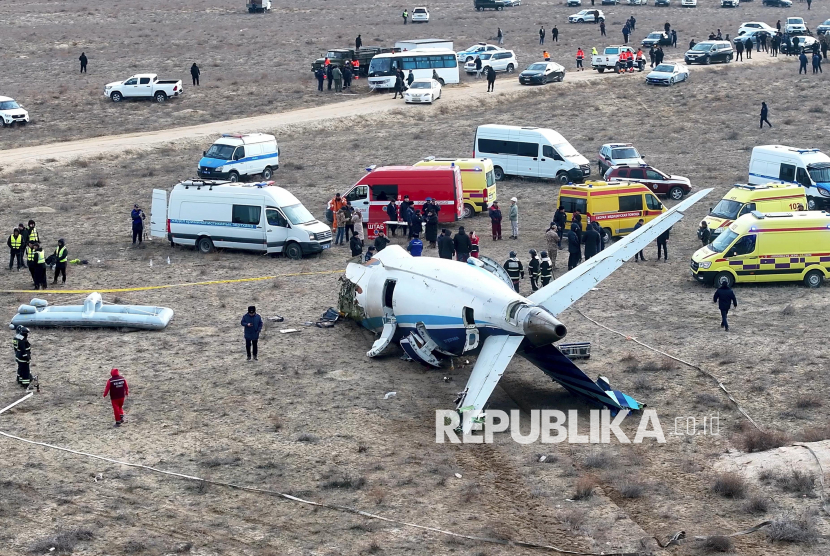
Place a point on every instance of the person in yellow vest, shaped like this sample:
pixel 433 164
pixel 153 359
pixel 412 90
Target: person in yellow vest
pixel 405 15
pixel 33 235
pixel 594 51
pixel 61 258
pixel 31 260
pixel 16 246
pixel 40 268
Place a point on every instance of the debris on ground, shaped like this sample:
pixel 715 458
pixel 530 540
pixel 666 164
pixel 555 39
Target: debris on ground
pixel 390 395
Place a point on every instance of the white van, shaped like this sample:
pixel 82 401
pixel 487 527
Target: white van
pixel 234 156
pixel 255 217
pixel 807 167
pixel 530 151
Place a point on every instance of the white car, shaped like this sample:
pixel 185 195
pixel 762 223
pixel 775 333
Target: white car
pixel 795 25
pixel 573 3
pixel 586 16
pixel 423 91
pixel 12 113
pixel 668 74
pixel 614 154
pixel 471 53
pixel 420 15
pixel 755 25
pixel 689 3
pixel 144 85
pixel 504 60
pixel 754 34
pixel 640 2
pixel 730 3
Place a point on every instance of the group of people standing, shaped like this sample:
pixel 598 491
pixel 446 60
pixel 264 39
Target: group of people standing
pixel 340 76
pixel 26 251
pixel 496 217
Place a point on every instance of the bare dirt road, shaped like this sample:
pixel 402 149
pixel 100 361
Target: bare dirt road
pixel 27 157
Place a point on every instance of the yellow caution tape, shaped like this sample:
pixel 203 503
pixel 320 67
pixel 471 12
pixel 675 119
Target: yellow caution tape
pixel 144 288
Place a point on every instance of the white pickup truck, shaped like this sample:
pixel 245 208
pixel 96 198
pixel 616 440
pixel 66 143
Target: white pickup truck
pixel 609 58
pixel 143 85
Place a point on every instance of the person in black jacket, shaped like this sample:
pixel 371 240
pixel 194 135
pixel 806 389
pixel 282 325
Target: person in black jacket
pixel 195 72
pixel 662 243
pixel 515 270
pixel 329 76
pixel 381 241
pixel 724 297
pixel 398 85
pixel 639 256
pixel 462 245
pixel 764 114
pixel 446 245
pixel 358 42
pixel 392 213
pixel 601 234
pixel 560 218
pixel 356 245
pixel 535 269
pixel 431 232
pixel 16 248
pixel 591 242
pixel 577 220
pixel 703 233
pixel 491 79
pixel 416 223
pixel 574 249
pixel 83 59
pixel 495 220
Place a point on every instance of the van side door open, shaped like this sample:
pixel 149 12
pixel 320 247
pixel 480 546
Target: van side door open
pixel 359 198
pixel 276 230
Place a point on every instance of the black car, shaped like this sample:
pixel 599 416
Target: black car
pixel 778 3
pixel 707 52
pixel 661 2
pixel 489 4
pixel 656 39
pixel 541 73
pixel 610 2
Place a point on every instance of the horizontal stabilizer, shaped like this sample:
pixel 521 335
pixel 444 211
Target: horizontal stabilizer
pixel 561 369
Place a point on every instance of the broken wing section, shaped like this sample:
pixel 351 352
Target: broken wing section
pixel 561 369
pixel 495 355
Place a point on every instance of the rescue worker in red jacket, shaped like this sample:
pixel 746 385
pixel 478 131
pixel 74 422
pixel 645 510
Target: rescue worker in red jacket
pixel 118 390
pixel 580 55
pixel 640 58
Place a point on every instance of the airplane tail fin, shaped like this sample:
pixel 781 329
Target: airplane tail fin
pixel 561 369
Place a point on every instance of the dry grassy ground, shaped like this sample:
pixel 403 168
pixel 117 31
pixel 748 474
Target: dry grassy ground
pixel 254 64
pixel 309 418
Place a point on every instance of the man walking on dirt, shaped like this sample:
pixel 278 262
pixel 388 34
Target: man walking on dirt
pixel 542 34
pixel 252 323
pixel 358 42
pixel 724 297
pixel 491 79
pixel 195 73
pixel 764 114
pixel 118 390
pixel 602 28
pixel 405 15
pixel 83 59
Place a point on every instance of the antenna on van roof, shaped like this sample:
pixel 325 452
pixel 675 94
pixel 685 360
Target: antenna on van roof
pixel 372 167
pixel 430 158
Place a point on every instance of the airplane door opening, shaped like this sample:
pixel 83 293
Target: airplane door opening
pixel 388 293
pixel 470 331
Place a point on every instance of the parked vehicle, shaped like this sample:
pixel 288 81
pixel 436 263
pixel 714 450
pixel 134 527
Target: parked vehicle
pixel 500 61
pixel 423 91
pixel 478 181
pixel 531 152
pixel 11 113
pixel 420 15
pixel 706 52
pixel 337 57
pixel 823 28
pixel 613 154
pixel 373 191
pixel 253 217
pixel 754 25
pixel 638 2
pixel 675 187
pixel 610 57
pixel 475 50
pixel 668 74
pixel 664 3
pixel 489 4
pixel 778 3
pixel 540 73
pixel 743 199
pixel 754 34
pixel 689 3
pixel 423 44
pixel 587 16
pixel 423 63
pixel 729 3
pixel 258 6
pixel 759 247
pixel 234 156
pixel 804 41
pixel 656 38
pixel 795 25
pixel 143 85
pixel 809 168
pixel 615 206
pixel 610 2
pixel 573 3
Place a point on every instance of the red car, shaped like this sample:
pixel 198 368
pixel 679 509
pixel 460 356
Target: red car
pixel 662 184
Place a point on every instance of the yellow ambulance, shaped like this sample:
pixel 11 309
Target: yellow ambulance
pixel 617 206
pixel 743 199
pixel 768 247
pixel 478 181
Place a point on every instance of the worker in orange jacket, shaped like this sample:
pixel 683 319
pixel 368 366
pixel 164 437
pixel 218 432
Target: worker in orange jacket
pixel 580 55
pixel 546 55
